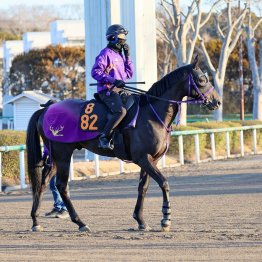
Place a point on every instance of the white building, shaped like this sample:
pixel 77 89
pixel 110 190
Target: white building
pixel 32 40
pixel 139 18
pixel 11 49
pixel 24 105
pixel 1 76
pixel 68 32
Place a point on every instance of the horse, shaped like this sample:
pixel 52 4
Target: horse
pixel 144 144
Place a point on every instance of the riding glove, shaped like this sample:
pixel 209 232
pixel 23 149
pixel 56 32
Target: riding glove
pixel 119 83
pixel 126 50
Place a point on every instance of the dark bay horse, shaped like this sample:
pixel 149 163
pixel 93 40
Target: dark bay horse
pixel 145 144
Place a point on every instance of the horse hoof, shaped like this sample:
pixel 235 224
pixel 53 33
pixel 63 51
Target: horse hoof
pixel 85 229
pixel 37 229
pixel 165 225
pixel 165 229
pixel 144 228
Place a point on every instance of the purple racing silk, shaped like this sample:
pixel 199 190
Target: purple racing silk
pixel 109 66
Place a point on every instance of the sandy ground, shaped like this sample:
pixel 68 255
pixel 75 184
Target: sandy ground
pixel 217 216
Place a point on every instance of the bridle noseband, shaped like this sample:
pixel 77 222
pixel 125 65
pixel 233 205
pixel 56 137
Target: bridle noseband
pixel 203 96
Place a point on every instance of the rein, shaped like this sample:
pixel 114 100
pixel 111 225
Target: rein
pixel 190 101
pixel 200 100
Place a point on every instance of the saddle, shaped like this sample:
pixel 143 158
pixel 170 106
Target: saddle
pixel 75 120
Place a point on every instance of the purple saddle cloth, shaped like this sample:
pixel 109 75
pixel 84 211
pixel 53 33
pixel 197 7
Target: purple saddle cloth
pixel 76 120
pixel 63 121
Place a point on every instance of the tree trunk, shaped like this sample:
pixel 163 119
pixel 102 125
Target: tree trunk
pixel 257 83
pixel 218 114
pixel 183 115
pixel 257 104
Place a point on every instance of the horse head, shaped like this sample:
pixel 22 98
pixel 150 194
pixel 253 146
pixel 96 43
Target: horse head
pixel 200 87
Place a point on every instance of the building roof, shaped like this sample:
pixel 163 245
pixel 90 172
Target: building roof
pixel 34 95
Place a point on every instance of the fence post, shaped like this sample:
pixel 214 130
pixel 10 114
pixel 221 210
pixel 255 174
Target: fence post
pixel 121 167
pixel 96 165
pixel 213 146
pixel 71 171
pixel 228 144
pixel 163 161
pixel 181 150
pixel 0 172
pixel 22 168
pixel 255 140
pixel 197 148
pixel 242 142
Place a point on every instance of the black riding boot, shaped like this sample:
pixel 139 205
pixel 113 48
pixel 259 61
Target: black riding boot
pixel 105 142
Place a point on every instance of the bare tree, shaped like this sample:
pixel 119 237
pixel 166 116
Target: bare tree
pixel 165 58
pixel 22 18
pixel 229 36
pixel 182 32
pixel 255 68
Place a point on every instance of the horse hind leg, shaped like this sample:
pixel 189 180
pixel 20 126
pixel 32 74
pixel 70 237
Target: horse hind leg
pixel 61 184
pixel 138 212
pixel 42 176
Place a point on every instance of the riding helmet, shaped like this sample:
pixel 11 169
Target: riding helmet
pixel 114 30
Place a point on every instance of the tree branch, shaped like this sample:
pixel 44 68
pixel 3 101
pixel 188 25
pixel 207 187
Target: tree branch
pixel 219 31
pixel 210 13
pixel 229 17
pixel 207 58
pixel 234 41
pixel 189 13
pixel 163 35
pixel 257 24
pixel 192 27
pixel 174 47
pixel 195 35
pixel 163 3
pixel 177 15
pixel 166 31
pixel 240 18
pixel 164 26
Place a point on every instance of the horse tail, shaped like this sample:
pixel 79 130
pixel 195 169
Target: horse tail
pixel 34 153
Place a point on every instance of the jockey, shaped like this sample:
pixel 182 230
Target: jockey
pixel 111 69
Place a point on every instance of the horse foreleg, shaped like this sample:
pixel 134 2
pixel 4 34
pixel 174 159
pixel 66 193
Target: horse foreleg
pixel 61 184
pixel 147 164
pixel 142 189
pixel 42 178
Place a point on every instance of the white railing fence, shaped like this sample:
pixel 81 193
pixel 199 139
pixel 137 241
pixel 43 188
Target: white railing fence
pixel 179 134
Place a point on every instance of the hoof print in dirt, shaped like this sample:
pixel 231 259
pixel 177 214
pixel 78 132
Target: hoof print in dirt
pixel 144 228
pixel 165 229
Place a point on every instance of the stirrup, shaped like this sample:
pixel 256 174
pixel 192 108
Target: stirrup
pixel 105 143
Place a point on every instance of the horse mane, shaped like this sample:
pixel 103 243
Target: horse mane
pixel 169 80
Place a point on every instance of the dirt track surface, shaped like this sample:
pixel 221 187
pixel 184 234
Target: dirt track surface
pixel 216 216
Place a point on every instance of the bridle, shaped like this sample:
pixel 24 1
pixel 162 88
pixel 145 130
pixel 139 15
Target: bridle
pixel 203 96
pixel 202 99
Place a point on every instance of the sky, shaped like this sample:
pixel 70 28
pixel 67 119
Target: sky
pixel 5 4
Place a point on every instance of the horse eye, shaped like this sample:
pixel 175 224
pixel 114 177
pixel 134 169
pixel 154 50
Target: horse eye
pixel 202 79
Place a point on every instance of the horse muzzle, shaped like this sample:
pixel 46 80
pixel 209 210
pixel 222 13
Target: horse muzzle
pixel 211 105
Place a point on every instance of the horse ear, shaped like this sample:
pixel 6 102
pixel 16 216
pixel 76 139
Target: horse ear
pixel 195 62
